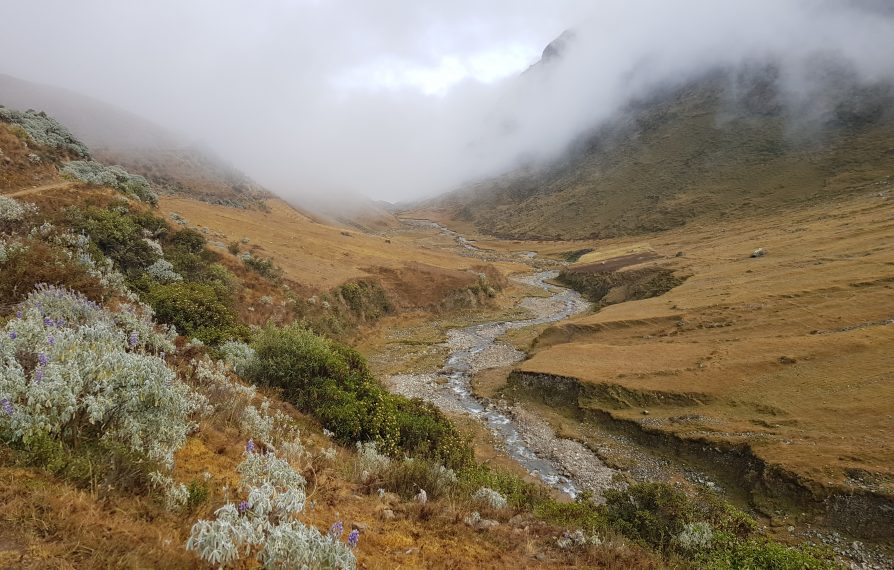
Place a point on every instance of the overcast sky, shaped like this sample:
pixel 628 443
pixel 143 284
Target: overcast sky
pixel 398 99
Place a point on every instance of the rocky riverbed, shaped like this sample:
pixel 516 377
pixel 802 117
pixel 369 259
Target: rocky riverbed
pixel 563 463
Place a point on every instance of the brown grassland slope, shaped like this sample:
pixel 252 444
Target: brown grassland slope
pixel 787 355
pixel 322 256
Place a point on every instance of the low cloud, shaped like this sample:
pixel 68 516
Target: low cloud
pixel 401 99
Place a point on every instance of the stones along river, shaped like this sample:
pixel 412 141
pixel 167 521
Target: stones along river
pixel 562 463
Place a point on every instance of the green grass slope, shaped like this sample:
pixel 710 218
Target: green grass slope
pixel 728 144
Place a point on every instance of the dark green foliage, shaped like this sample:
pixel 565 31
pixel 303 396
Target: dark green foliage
pixel 98 464
pixel 654 515
pixel 763 554
pixel 583 513
pixel 424 429
pixel 189 240
pixel 519 493
pixel 197 310
pixel 649 513
pixel 118 236
pixel 155 225
pixel 332 382
pixel 365 299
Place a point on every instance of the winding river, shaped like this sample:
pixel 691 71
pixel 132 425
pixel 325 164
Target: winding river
pixel 474 348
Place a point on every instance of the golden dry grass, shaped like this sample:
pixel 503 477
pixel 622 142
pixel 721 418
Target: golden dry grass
pixel 312 253
pixel 790 352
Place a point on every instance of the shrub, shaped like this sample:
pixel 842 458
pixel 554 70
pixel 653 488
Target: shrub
pixel 237 355
pixel 73 372
pixel 332 382
pixel 517 492
pixel 29 263
pixel 189 240
pixel 366 300
pixel 583 513
pixel 410 476
pixel 369 464
pixel 649 513
pixel 12 212
pixel 263 525
pixel 197 494
pixel 695 537
pixel 45 130
pixel 425 431
pixel 118 236
pixel 163 272
pixel 196 310
pixel 488 497
pixel 112 176
pixel 759 553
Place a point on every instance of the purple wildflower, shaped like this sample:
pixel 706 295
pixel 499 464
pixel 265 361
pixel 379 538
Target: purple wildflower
pixel 354 538
pixel 7 407
pixel 51 340
pixel 13 335
pixel 337 529
pixel 60 322
pixel 19 314
pixel 134 339
pixel 43 359
pixel 38 375
pixel 243 506
pixel 48 322
pixel 250 446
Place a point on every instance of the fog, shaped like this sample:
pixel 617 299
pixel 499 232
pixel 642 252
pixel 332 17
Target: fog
pixel 403 99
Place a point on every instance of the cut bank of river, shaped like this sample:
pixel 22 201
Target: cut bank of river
pixel 562 463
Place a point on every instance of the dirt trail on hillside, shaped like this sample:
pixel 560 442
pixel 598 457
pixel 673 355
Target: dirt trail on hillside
pixel 37 189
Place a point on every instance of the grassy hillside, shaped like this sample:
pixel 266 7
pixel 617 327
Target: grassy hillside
pixel 726 145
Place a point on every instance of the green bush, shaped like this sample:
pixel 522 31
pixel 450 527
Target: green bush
pixel 98 463
pixel 198 494
pixel 763 554
pixel 518 493
pixel 365 299
pixel 582 514
pixel 408 477
pixel 648 513
pixel 189 240
pixel 120 237
pixel 426 432
pixel 197 310
pixel 332 382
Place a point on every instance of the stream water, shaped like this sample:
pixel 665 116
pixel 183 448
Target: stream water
pixel 475 348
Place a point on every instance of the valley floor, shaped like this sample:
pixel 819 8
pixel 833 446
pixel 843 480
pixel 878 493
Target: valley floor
pixel 773 373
